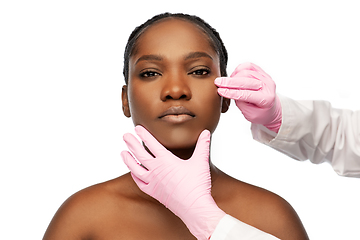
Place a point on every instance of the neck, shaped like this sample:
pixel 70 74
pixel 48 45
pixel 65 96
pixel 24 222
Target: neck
pixel 183 154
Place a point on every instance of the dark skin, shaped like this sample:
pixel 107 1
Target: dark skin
pixel 170 75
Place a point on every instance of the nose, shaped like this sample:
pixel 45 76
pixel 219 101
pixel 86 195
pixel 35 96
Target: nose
pixel 175 88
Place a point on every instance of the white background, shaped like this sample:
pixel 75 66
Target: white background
pixel 60 108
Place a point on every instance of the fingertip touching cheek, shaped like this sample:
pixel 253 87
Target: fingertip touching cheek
pixel 170 88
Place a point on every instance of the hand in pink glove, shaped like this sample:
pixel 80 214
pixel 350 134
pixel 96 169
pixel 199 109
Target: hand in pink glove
pixel 183 186
pixel 254 93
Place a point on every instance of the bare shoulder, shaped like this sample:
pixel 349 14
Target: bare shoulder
pixel 260 208
pixel 114 210
pixel 82 214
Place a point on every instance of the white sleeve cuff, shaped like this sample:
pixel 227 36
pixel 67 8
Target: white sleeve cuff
pixel 230 228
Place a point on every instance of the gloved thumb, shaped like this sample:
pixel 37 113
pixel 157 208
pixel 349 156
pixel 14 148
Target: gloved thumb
pixel 202 148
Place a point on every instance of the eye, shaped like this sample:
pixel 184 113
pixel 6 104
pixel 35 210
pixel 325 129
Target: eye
pixel 149 74
pixel 201 72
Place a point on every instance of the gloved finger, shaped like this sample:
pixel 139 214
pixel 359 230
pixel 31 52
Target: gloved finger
pixel 136 148
pixel 150 141
pixel 246 66
pixel 135 168
pixel 247 110
pixel 250 74
pixel 242 67
pixel 243 104
pixel 262 100
pixel 243 83
pixel 259 70
pixel 202 148
pixel 141 184
pixel 257 98
pixel 241 95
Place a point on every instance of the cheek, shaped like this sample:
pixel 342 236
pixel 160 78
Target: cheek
pixel 208 93
pixel 209 102
pixel 140 104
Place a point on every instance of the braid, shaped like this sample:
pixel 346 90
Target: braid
pixel 213 35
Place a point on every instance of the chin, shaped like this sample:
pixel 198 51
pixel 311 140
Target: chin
pixel 178 138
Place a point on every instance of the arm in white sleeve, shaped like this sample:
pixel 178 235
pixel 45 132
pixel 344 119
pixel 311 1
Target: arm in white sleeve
pixel 316 131
pixel 230 228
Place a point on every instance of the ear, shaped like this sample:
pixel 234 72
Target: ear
pixel 125 101
pixel 225 105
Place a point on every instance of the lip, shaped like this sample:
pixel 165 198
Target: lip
pixel 177 114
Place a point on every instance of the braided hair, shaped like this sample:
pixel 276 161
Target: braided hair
pixel 214 37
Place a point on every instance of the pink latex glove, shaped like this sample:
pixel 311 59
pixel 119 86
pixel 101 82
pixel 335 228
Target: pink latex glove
pixel 183 186
pixel 254 93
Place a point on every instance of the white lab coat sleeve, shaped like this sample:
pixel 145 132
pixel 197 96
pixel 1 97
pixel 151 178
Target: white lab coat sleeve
pixel 314 130
pixel 230 228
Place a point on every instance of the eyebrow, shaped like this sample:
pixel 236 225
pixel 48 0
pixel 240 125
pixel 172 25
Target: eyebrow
pixel 150 57
pixel 197 55
pixel 192 55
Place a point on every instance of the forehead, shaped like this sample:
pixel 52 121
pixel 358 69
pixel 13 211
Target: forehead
pixel 171 36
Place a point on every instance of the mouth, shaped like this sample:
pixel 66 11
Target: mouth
pixel 177 114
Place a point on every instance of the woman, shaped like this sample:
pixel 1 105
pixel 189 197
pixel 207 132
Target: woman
pixel 170 66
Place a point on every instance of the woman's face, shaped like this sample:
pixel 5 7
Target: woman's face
pixel 171 90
